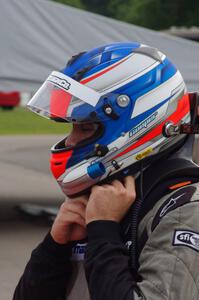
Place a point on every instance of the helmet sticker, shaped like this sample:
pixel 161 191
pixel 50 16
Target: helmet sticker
pixel 144 153
pixel 143 124
pixel 61 82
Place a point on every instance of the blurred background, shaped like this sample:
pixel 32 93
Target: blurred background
pixel 36 37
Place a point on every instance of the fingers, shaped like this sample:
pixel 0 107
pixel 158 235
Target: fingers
pixel 117 184
pixel 126 187
pixel 81 199
pixel 111 201
pixel 129 183
pixel 74 218
pixel 77 207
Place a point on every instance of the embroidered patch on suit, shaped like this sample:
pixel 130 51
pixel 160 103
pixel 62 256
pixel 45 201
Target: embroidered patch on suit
pixel 177 199
pixel 186 238
pixel 78 252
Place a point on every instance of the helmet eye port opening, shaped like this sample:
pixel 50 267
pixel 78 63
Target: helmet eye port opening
pixel 61 145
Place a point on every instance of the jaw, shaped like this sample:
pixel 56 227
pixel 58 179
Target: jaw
pixel 81 132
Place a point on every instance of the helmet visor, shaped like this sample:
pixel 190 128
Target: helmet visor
pixel 61 97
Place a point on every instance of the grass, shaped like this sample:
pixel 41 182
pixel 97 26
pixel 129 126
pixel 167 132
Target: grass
pixel 22 121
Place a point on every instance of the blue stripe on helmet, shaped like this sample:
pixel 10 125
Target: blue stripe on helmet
pixel 148 81
pixel 108 54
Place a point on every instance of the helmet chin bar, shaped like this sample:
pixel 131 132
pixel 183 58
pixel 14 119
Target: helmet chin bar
pixel 171 129
pixel 89 175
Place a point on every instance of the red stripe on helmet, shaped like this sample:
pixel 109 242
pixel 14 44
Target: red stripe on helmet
pixel 181 111
pixel 58 162
pixel 103 71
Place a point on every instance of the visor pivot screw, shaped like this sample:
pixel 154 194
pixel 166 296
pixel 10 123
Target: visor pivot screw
pixel 123 100
pixel 108 110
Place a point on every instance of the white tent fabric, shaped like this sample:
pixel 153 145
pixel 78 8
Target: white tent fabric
pixel 38 36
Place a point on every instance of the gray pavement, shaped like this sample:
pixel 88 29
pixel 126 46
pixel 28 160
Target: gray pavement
pixel 24 169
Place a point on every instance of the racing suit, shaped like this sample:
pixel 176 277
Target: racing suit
pixel 167 254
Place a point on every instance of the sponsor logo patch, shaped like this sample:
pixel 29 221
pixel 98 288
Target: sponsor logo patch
pixel 62 83
pixel 143 124
pixel 78 252
pixel 172 202
pixel 186 238
pixel 179 198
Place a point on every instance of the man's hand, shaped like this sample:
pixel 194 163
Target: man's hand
pixel 111 201
pixel 69 224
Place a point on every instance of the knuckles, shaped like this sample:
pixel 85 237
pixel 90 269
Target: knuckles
pixel 97 190
pixel 70 205
pixel 65 207
pixel 109 192
pixel 122 192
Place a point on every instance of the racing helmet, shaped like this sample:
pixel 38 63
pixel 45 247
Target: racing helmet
pixel 130 91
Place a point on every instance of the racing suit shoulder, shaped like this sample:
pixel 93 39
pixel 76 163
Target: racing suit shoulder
pixel 170 257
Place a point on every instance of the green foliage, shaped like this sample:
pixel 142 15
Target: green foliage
pixel 22 121
pixel 111 8
pixel 158 14
pixel 155 14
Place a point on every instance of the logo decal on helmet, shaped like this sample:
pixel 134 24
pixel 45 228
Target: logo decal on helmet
pixel 144 153
pixel 143 124
pixel 63 83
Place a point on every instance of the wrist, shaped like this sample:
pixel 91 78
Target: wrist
pixel 55 250
pixel 102 218
pixel 104 229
